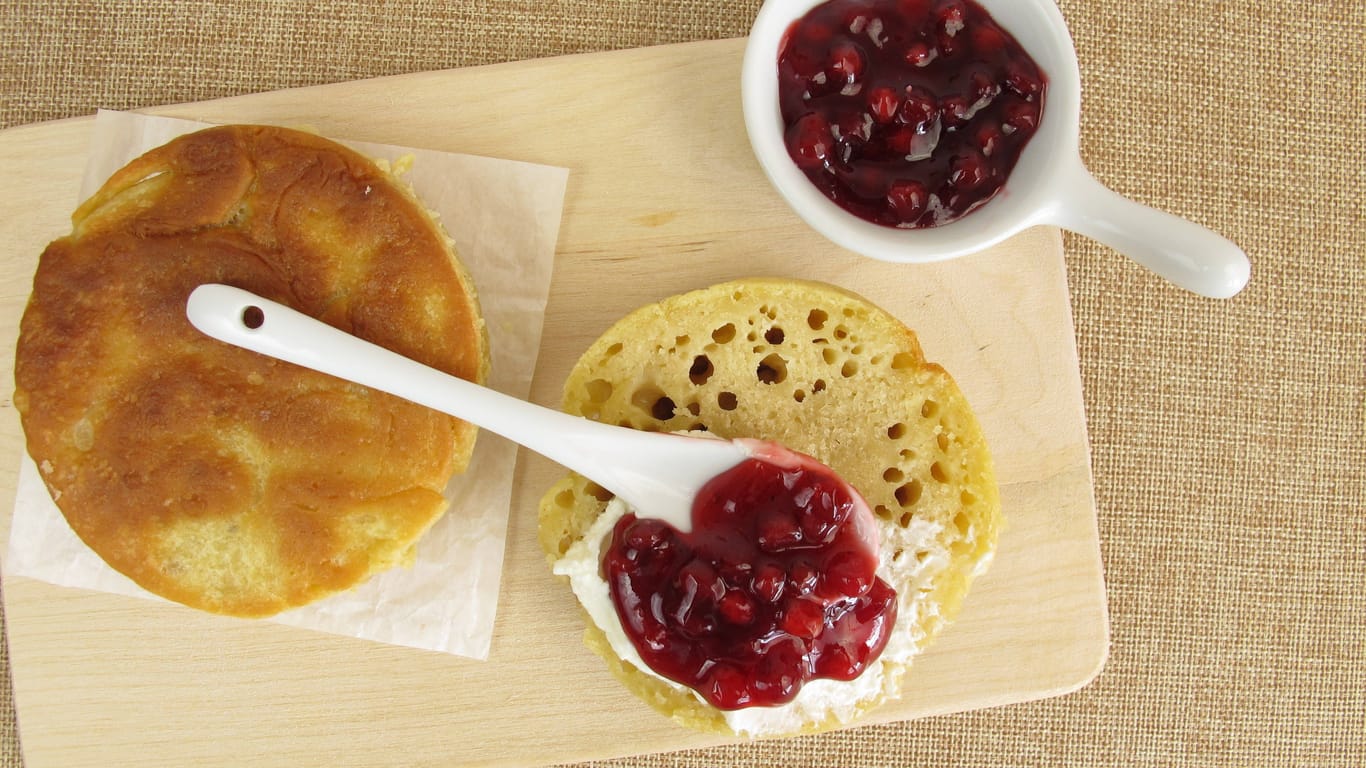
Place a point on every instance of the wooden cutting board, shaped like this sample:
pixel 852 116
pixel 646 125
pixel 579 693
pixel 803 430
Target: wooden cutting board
pixel 663 197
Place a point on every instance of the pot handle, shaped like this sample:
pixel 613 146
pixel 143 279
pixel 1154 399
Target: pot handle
pixel 1185 253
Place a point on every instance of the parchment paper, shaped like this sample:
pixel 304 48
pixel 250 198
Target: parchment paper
pixel 504 217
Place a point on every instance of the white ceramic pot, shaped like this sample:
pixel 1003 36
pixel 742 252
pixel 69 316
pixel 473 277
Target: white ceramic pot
pixel 1048 186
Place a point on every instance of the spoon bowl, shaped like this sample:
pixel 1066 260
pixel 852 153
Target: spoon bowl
pixel 657 474
pixel 1049 185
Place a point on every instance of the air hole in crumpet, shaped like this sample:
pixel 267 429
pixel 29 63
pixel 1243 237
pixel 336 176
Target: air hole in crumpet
pixel 701 370
pixel 647 396
pixel 599 390
pixel 772 369
pixel 663 409
pixel 598 492
pixel 902 361
pixel 938 473
pixel 908 494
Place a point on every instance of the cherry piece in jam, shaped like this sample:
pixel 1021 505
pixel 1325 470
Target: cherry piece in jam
pixel 774 586
pixel 944 98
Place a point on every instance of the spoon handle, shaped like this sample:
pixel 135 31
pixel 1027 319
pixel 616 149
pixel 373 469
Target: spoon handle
pixel 660 473
pixel 1177 249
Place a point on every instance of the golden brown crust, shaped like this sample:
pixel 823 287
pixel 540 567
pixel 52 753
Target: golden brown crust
pixel 824 372
pixel 208 474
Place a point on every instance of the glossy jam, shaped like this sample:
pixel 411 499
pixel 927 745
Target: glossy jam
pixel 906 113
pixel 773 587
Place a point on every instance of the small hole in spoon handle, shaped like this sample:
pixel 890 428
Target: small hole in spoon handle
pixel 253 317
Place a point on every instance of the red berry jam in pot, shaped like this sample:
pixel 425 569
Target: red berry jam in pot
pixel 774 586
pixel 906 113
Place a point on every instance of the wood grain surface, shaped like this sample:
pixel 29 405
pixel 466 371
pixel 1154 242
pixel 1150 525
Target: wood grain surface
pixel 663 197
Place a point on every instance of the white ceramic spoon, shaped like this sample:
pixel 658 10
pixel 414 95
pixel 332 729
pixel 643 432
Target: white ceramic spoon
pixel 1049 185
pixel 657 474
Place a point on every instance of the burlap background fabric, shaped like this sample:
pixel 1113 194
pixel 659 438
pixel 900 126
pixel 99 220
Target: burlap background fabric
pixel 1227 437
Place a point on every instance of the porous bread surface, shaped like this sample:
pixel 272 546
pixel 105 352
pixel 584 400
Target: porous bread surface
pixel 208 474
pixel 824 372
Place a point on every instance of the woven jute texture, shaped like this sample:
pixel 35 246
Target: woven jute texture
pixel 1227 437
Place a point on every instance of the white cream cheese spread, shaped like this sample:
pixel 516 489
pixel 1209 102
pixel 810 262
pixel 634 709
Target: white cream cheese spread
pixel 917 557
